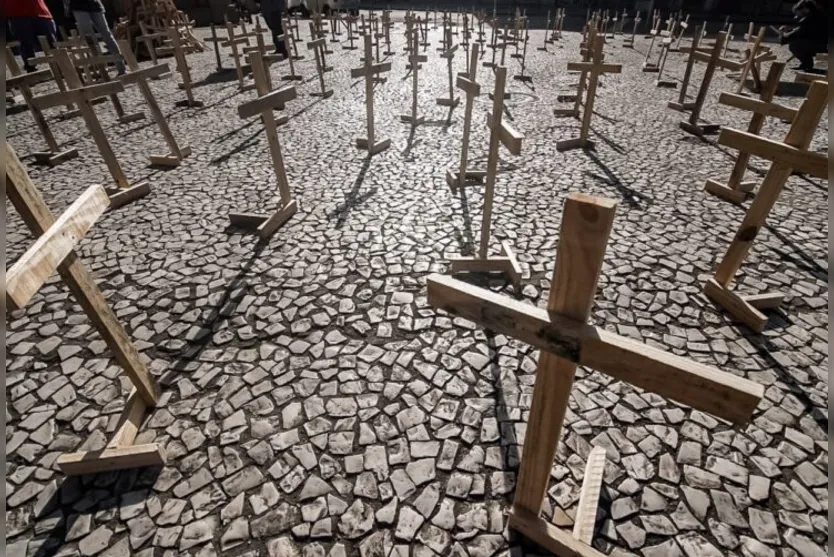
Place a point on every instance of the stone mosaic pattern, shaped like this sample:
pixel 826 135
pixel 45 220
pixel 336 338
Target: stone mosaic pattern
pixel 315 405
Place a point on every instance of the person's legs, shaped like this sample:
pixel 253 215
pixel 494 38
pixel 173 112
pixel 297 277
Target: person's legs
pixel 273 21
pixel 100 24
pixel 804 52
pixel 24 31
pixel 46 28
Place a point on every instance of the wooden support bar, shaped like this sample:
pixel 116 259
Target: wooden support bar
pixel 758 107
pixel 129 422
pixel 271 100
pixel 510 138
pixel 586 513
pixel 111 459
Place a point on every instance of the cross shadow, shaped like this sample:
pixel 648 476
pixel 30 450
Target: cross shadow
pixel 353 198
pixel 608 141
pixel 222 75
pixel 240 147
pixel 508 440
pixel 803 260
pixel 410 143
pixel 630 196
pixel 225 136
pixel 465 239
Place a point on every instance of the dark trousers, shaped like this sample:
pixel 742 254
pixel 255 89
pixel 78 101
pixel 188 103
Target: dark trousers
pixel 26 30
pixel 804 50
pixel 273 21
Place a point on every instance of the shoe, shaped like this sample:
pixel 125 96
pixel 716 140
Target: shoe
pixel 803 68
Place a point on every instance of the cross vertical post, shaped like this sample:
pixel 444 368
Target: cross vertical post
pixel 414 59
pixel 449 54
pixel 472 90
pixel 317 45
pixel 182 65
pixel 367 71
pixel 692 125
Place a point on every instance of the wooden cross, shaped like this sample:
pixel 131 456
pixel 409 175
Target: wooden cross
pixel 545 40
pixel 179 50
pixel 656 20
pixel 756 54
pixel 320 47
pixel 292 76
pixel 653 67
pixel 55 250
pixel 290 39
pixel 665 48
pixel 140 77
pixel 465 45
pixel 263 105
pixel 386 26
pixel 681 105
pixel 713 60
pixel 467 84
pixel 522 76
pixel 317 46
pixel 786 156
pixel 23 82
pixel 236 43
pixel 214 39
pixel 414 60
pixel 500 133
pixel 368 71
pixel 351 21
pixel 81 96
pixel 452 101
pixel 93 58
pixel 735 190
pixel 47 57
pixel 628 42
pixel 594 68
pixel 423 24
pixel 565 339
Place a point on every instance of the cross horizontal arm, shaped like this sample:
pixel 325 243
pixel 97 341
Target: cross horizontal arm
pixel 266 102
pixel 145 73
pixel 469 86
pixel 509 136
pixel 589 66
pixel 373 68
pixel 449 52
pixel 316 44
pixel 35 266
pixel 89 92
pixel 697 385
pixel 757 106
pixel 806 162
pixel 720 62
pixel 29 79
pixel 99 60
pixel 417 58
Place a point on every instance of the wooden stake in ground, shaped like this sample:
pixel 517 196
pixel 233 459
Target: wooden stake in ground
pixel 179 51
pixel 81 96
pixel 693 125
pixel 317 46
pixel 594 68
pixel 681 105
pixel 267 101
pixel 787 156
pixel 22 81
pixel 55 250
pixel 237 44
pixel 287 38
pixel 664 54
pixel 71 112
pixel 543 47
pixel 500 133
pixel 368 71
pixel 472 89
pixel 628 42
pixel 415 60
pixel 735 190
pixel 140 77
pixel 565 339
pixel 452 101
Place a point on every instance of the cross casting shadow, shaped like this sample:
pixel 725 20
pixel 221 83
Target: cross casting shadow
pixel 353 198
pixel 630 196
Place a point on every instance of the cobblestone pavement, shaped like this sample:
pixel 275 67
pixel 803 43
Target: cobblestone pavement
pixel 314 404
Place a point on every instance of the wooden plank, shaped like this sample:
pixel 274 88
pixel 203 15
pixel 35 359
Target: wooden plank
pixel 735 305
pixel 588 66
pixel 586 513
pixel 129 421
pixel 510 137
pixel 111 459
pixel 757 106
pixel 28 79
pixel 550 537
pixel 134 76
pixel 815 164
pixel 468 86
pixel 266 102
pixel 34 212
pixel 38 263
pixel 90 92
pixel 318 43
pixel 698 385
pixel 277 219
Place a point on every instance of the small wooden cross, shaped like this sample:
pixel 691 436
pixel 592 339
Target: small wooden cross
pixel 414 60
pixel 500 133
pixel 786 156
pixel 565 339
pixel 179 50
pixel 23 81
pixel 386 26
pixel 756 54
pixel 654 67
pixel 472 89
pixel 237 43
pixel 350 20
pixel 368 71
pixel 214 39
pixel 522 76
pixel 665 48
pixel 71 112
pixel 140 77
pixel 594 69
pixel 320 47
pixel 55 250
pixel 681 105
pixel 450 101
pixel 317 46
pixel 81 96
pixel 290 39
pixel 267 101
pixel 545 39
pixel 735 190
pixel 628 42
pixel 713 61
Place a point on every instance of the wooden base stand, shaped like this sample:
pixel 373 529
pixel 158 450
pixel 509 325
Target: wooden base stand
pixel 650 68
pixel 407 118
pixel 323 94
pixel 120 197
pixel 362 143
pixel 681 107
pixel 725 192
pixel 191 103
pixel 445 101
pixel 54 159
pixel 566 112
pixel 575 143
pixel 120 453
pixel 747 309
pixel 666 84
pixel 127 118
pixel 700 130
pixel 170 160
pixel 265 225
pixel 506 263
pixel 470 177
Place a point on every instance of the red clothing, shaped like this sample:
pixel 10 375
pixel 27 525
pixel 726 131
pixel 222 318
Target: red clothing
pixel 26 8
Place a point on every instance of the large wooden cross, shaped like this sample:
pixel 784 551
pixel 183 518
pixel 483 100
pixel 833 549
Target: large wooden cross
pixel 736 190
pixel 81 96
pixel 48 57
pixel 140 77
pixel 414 60
pixel 449 54
pixel 317 46
pixel 786 156
pixel 594 69
pixel 756 54
pixel 23 82
pixel 472 89
pixel 267 101
pixel 368 71
pixel 566 340
pixel 55 250
pixel 500 133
